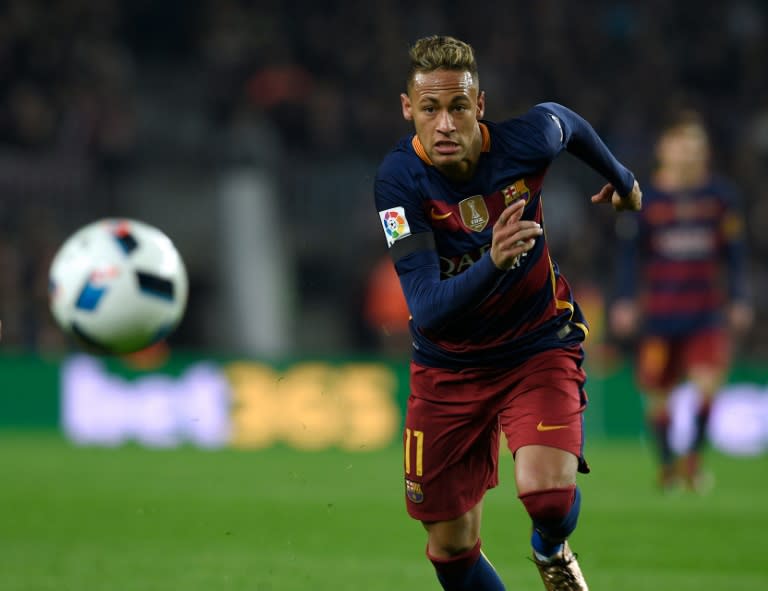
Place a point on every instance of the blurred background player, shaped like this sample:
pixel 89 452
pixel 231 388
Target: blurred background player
pixel 496 333
pixel 681 285
pixel 386 311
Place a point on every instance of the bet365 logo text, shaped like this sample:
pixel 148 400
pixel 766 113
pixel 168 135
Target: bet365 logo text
pixel 314 405
pixel 308 405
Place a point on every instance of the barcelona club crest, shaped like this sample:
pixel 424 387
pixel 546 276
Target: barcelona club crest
pixel 474 213
pixel 515 191
pixel 413 491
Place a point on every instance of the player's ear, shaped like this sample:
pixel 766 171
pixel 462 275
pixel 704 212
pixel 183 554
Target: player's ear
pixel 481 104
pixel 405 103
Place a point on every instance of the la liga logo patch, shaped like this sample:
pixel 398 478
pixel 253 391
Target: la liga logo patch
pixel 395 224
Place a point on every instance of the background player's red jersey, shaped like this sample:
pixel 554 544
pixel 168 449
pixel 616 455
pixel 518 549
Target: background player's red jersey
pixel 690 245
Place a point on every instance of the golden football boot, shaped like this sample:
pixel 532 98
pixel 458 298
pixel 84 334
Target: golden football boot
pixel 562 573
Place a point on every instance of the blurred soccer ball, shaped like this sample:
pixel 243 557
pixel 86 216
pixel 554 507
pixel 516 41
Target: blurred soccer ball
pixel 118 286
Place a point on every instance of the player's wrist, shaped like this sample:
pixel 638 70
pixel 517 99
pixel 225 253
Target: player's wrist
pixel 492 263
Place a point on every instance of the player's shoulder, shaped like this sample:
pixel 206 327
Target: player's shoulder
pixel 723 187
pixel 538 131
pixel 400 163
pixel 528 122
pixel 541 117
pixel 399 176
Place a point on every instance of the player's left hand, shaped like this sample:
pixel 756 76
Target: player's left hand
pixel 513 236
pixel 631 202
pixel 740 317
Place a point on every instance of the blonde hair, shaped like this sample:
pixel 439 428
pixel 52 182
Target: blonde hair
pixel 684 119
pixel 441 52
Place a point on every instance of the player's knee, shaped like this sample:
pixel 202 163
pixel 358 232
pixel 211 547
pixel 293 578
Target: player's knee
pixel 445 540
pixel 456 536
pixel 448 548
pixel 708 383
pixel 554 511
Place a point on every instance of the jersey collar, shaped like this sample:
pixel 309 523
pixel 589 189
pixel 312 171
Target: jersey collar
pixel 422 153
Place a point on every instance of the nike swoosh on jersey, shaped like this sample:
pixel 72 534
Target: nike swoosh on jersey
pixel 439 216
pixel 542 427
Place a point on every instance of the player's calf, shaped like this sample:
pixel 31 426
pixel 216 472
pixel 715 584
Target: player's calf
pixel 468 571
pixel 554 513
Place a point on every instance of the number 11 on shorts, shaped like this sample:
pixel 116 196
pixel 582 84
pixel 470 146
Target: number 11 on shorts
pixel 419 437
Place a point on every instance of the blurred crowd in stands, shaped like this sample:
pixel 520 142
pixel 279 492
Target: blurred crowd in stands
pixel 98 99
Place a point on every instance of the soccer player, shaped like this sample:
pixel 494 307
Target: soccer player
pixel 496 333
pixel 681 261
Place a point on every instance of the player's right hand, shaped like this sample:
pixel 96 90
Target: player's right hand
pixel 631 202
pixel 512 236
pixel 741 316
pixel 623 318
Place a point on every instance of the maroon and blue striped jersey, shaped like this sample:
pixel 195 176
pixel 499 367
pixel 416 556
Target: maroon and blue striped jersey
pixel 683 257
pixel 465 312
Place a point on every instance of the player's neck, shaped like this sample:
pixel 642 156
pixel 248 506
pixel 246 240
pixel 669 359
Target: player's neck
pixel 461 172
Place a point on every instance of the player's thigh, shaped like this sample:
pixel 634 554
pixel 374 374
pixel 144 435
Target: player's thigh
pixel 659 364
pixel 450 445
pixel 544 409
pixel 707 357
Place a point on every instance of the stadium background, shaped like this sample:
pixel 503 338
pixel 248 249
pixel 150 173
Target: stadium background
pixel 250 133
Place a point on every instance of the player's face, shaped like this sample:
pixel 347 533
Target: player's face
pixel 683 147
pixel 445 106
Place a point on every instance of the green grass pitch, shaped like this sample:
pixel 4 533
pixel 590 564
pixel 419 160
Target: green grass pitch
pixel 130 519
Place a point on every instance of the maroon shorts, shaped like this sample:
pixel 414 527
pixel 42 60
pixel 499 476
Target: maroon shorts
pixel 454 419
pixel 664 362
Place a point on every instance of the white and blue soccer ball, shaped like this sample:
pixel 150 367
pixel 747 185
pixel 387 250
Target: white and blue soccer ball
pixel 118 286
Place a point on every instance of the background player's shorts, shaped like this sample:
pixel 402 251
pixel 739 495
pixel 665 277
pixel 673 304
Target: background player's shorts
pixel 664 362
pixel 454 418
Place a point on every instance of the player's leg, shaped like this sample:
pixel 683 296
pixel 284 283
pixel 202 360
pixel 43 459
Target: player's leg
pixel 659 426
pixel 658 367
pixel 453 547
pixel 451 459
pixel 453 537
pixel 543 424
pixel 546 485
pixel 707 357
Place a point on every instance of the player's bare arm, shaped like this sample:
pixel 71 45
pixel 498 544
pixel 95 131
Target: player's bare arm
pixel 512 236
pixel 631 202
